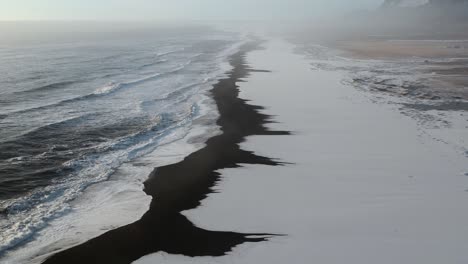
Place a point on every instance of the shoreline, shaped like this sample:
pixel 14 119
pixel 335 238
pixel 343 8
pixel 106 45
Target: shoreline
pixel 182 186
pixel 368 185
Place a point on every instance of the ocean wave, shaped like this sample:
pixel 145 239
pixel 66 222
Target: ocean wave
pixel 10 154
pixel 180 91
pixel 164 53
pixel 157 62
pixel 29 214
pixel 99 134
pixel 113 87
pixel 48 87
pixel 105 90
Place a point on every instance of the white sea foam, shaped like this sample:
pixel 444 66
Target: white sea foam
pixel 107 187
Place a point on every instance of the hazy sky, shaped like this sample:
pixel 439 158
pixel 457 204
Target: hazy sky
pixel 175 9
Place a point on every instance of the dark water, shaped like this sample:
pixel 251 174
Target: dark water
pixel 73 108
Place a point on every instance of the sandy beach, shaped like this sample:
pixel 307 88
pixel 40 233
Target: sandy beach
pixel 442 62
pixel 393 195
pixel 317 171
pixel 211 132
pixel 386 47
pixel 182 186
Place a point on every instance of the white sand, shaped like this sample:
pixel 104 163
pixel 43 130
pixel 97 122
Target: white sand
pixel 366 187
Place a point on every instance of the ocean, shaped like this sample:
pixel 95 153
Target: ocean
pixel 77 105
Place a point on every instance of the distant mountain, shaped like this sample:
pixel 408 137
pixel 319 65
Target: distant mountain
pixel 404 3
pixel 447 2
pixel 416 3
pixel 442 19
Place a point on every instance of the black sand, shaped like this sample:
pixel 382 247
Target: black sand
pixel 182 186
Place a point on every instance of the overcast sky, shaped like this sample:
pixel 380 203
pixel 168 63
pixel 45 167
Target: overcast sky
pixel 176 9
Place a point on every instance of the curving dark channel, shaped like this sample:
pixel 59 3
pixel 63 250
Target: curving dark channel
pixel 184 185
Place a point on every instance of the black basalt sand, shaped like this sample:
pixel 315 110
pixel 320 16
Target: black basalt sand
pixel 184 185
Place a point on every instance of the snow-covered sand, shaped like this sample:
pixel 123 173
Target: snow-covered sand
pixel 366 185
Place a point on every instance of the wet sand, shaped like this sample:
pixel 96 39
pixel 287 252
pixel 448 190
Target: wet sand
pixel 182 186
